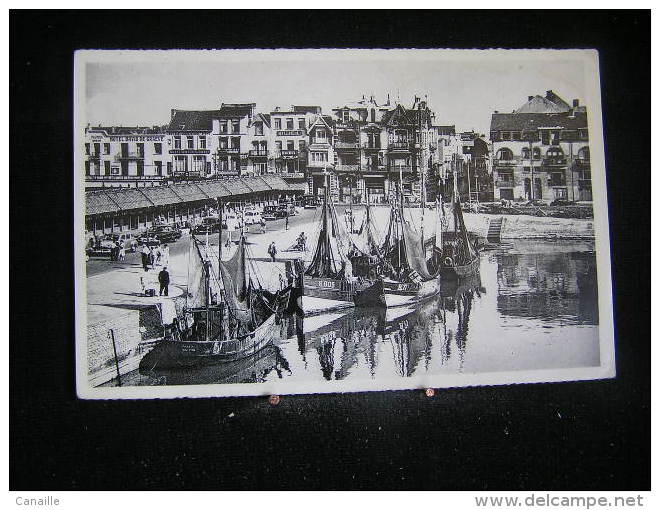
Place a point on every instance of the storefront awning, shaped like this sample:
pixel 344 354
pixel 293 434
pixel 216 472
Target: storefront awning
pixel 161 195
pixel 189 192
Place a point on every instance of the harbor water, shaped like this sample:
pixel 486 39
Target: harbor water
pixel 533 306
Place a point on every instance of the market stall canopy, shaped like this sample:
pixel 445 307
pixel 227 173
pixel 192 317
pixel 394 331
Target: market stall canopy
pixel 99 202
pixel 215 189
pixel 161 195
pixel 189 192
pixel 130 198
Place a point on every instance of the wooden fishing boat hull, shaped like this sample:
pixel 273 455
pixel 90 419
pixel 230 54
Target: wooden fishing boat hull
pixel 461 270
pixel 390 293
pixel 184 353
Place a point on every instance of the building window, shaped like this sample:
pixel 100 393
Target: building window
pixel 278 146
pixel 290 145
pixel 536 153
pixel 301 124
pixel 583 154
pixel 320 135
pixel 506 135
pixel 525 153
pixel 345 116
pixel 158 148
pixel 235 142
pixel 561 193
pixel 190 142
pixel 301 145
pixel 278 123
pixel 259 129
pixel 223 126
pixel 180 164
pixel 320 157
pixel 199 164
pixel 545 137
pixel 140 150
pixel 87 167
pixel 235 126
pixel 177 142
pixel 106 148
pixel 106 165
pixel 289 124
pixel 159 167
pixel 222 142
pixel 504 154
pixel 202 142
pixel 87 149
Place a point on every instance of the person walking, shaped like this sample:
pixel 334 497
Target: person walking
pixel 286 221
pixel 164 280
pixel 159 255
pixel 145 257
pixel 152 257
pixel 272 251
pixel 262 222
pixel 122 251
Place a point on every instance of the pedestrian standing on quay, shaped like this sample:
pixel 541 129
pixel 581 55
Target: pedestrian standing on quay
pixel 164 280
pixel 262 222
pixel 286 221
pixel 159 255
pixel 152 257
pixel 122 251
pixel 272 251
pixel 145 257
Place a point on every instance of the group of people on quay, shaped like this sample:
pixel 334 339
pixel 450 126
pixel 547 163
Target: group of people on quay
pixel 155 256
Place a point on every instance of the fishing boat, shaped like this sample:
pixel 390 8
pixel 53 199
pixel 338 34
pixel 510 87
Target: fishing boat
pixel 460 258
pixel 226 316
pixel 329 274
pixel 404 276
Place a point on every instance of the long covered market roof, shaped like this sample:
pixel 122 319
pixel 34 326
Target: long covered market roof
pixel 114 200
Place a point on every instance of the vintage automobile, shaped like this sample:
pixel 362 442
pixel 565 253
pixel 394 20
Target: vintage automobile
pixel 252 217
pixel 269 213
pixel 208 225
pixel 165 233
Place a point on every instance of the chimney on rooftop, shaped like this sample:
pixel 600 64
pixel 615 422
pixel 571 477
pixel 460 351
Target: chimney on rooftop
pixel 529 98
pixel 496 111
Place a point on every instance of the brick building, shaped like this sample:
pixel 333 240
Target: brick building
pixel 541 151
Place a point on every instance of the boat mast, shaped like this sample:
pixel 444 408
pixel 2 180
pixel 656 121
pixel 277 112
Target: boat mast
pixel 220 261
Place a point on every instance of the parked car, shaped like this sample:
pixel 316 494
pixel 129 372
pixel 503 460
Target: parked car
pixel 282 212
pixel 130 243
pixel 166 233
pixel 150 239
pixel 252 217
pixel 269 213
pixel 208 225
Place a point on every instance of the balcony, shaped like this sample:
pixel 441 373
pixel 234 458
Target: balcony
pixel 505 162
pixel 554 161
pixel 399 146
pixel 189 151
pixel 320 164
pixel 94 155
pixel 124 156
pixel 347 145
pixel 290 132
pixel 371 146
pixel 90 178
pixel 187 173
pixel 347 168
pixel 403 169
pixel 259 153
pixel 288 154
pixel 229 150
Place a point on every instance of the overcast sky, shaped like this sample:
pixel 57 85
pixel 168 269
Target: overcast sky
pixel 141 90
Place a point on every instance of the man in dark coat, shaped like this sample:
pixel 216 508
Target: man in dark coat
pixel 164 280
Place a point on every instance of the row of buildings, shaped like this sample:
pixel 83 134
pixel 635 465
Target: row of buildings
pixel 362 149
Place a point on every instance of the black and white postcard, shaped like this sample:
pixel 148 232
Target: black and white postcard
pixel 269 222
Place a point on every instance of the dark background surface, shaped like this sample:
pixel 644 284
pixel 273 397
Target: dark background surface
pixel 583 435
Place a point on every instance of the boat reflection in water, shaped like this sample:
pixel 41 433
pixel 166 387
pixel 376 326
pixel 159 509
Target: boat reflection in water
pixel 409 334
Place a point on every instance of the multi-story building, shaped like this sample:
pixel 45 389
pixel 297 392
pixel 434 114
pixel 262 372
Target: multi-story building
pixel 321 155
pixel 541 151
pixel 289 134
pixel 408 146
pixel 191 144
pixel 232 127
pixel 124 156
pixel 260 145
pixel 360 144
